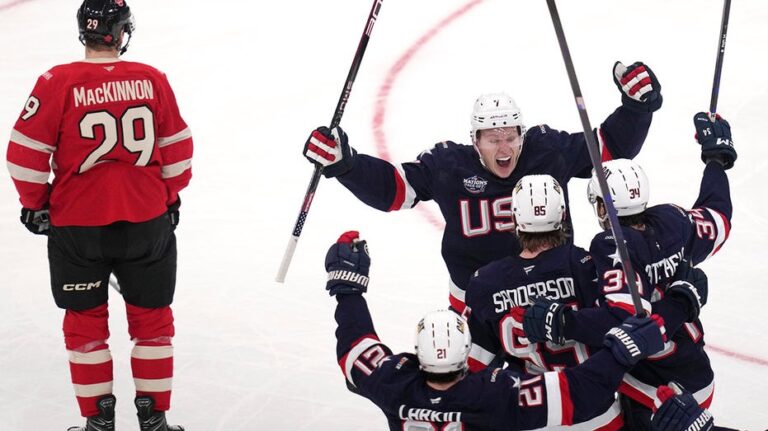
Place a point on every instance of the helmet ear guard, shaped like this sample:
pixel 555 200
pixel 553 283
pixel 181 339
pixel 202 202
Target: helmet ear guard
pixel 104 22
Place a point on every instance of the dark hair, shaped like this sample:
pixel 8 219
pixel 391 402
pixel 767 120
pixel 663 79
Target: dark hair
pixel 537 240
pixel 634 219
pixel 102 46
pixel 443 377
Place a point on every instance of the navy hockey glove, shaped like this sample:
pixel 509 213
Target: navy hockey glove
pixel 715 139
pixel 330 150
pixel 544 321
pixel 679 411
pixel 347 263
pixel 692 287
pixel 173 213
pixel 636 339
pixel 640 90
pixel 36 221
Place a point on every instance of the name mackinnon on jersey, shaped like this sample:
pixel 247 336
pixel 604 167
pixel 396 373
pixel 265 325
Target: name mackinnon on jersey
pixel 475 184
pixel 114 91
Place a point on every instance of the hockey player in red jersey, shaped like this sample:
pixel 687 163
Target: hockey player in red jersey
pixel 111 132
pixel 472 184
pixel 431 390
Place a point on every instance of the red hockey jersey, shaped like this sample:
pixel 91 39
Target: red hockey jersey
pixel 111 132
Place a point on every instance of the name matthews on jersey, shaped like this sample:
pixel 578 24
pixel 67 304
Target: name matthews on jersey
pixel 114 91
pixel 559 288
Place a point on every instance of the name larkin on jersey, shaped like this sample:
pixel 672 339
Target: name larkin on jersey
pixel 114 91
pixel 428 415
pixel 560 288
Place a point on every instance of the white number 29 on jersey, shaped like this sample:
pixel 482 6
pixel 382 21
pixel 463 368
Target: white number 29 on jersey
pixel 144 145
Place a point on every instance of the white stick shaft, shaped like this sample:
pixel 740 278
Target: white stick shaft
pixel 287 257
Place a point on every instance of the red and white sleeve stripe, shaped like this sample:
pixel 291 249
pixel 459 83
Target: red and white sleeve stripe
pixel 176 153
pixel 646 394
pixel 723 230
pixel 28 162
pixel 559 403
pixel 605 154
pixel 479 358
pixel 624 301
pixel 347 362
pixel 405 195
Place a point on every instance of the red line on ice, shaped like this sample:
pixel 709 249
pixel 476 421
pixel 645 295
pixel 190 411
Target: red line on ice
pixel 380 109
pixel 12 4
pixel 382 148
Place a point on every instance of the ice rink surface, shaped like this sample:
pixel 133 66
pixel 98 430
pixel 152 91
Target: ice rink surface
pixel 253 78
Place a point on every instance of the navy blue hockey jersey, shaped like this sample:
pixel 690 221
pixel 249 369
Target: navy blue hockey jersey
pixel 671 234
pixel 475 204
pixel 565 274
pixel 494 399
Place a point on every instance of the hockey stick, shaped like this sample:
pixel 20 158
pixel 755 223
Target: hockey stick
pixel 720 55
pixel 338 113
pixel 594 155
pixel 719 62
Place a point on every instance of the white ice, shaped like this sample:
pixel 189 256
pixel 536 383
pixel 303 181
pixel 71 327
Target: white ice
pixel 252 79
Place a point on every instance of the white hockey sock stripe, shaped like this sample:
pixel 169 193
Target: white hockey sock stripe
pixel 153 385
pixel 89 358
pixel 93 390
pixel 152 352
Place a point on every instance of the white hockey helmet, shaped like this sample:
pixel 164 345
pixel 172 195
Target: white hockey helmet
pixel 495 110
pixel 538 204
pixel 442 342
pixel 628 186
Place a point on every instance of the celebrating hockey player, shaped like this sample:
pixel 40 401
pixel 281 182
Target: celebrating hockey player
pixel 120 153
pixel 548 266
pixel 472 184
pixel 661 241
pixel 431 390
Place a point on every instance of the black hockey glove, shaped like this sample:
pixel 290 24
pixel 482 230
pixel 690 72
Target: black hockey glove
pixel 173 213
pixel 715 139
pixel 347 263
pixel 679 411
pixel 636 339
pixel 690 286
pixel 544 321
pixel 36 221
pixel 329 149
pixel 640 90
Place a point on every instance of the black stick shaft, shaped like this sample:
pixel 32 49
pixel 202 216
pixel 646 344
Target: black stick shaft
pixel 720 55
pixel 335 120
pixel 594 155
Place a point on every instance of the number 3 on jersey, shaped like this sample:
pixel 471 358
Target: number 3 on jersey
pixel 131 118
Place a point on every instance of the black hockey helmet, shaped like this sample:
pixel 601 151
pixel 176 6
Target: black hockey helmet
pixel 101 21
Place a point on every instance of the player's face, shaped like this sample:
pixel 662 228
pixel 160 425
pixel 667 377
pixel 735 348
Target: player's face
pixel 499 149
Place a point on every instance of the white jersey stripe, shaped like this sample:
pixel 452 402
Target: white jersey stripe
pixel 354 353
pixel 410 193
pixel 153 385
pixel 720 223
pixel 152 352
pixel 479 354
pixel 21 173
pixel 176 169
pixel 26 141
pixel 650 391
pixel 626 298
pixel 89 358
pixel 597 422
pixel 93 390
pixel 554 399
pixel 456 291
pixel 165 141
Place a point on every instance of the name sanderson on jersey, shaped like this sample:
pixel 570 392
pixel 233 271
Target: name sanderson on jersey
pixel 559 288
pixel 114 91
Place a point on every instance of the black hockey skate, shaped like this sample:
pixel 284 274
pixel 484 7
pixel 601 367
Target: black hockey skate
pixel 104 421
pixel 151 420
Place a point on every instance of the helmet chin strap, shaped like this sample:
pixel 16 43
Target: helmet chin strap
pixel 125 47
